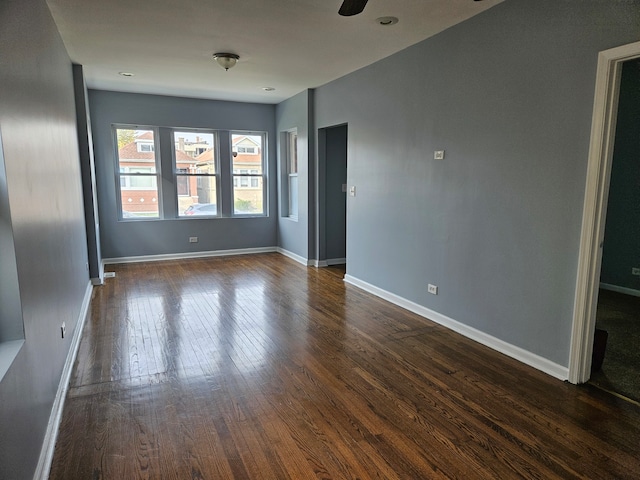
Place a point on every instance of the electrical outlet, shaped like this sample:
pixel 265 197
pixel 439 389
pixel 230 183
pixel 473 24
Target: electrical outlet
pixel 63 329
pixel 635 271
pixel 438 155
pixel 193 239
pixel 433 289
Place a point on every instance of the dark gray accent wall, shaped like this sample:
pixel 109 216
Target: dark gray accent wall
pixel 621 251
pixel 294 235
pixel 38 130
pixel 335 175
pixel 171 235
pixel 87 163
pixel 508 95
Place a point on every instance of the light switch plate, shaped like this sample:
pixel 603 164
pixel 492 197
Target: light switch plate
pixel 438 155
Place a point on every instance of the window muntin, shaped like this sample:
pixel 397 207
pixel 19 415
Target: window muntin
pixel 138 173
pixel 196 177
pixel 249 174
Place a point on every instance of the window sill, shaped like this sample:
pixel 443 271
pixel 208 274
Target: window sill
pixel 8 353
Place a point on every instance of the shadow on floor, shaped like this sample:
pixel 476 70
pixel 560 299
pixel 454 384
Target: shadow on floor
pixel 619 315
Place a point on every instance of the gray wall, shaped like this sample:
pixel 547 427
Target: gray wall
pixel 38 129
pixel 621 249
pixel 496 225
pixel 169 236
pixel 294 235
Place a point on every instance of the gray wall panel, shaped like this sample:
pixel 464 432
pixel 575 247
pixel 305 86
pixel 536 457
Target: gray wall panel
pixel 124 239
pixel 293 235
pixel 508 95
pixel 38 125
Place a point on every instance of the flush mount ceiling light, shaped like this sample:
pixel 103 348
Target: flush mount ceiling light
pixel 268 89
pixel 386 21
pixel 226 60
pixel 125 74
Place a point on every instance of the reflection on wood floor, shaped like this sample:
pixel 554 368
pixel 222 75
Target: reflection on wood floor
pixel 255 367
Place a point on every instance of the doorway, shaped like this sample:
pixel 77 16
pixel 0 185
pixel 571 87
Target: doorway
pixel 332 193
pixel 618 306
pixel 610 66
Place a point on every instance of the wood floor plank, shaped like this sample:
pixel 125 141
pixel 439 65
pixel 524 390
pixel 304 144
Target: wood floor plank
pixel 257 367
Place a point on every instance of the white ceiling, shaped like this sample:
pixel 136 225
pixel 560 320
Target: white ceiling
pixel 290 45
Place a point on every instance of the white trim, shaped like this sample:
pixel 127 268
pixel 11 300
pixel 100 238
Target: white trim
pixel 595 207
pixel 328 262
pixel 295 256
pixel 520 354
pixel 180 256
pixel 51 435
pixel 618 289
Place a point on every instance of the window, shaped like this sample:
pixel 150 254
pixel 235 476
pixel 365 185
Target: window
pixel 195 173
pixel 246 149
pixel 248 174
pixel 138 173
pixel 292 173
pixel 145 147
pixel 170 173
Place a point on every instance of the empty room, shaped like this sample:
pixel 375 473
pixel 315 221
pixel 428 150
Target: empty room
pixel 319 239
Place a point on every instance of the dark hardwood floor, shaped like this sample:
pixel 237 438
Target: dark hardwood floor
pixel 257 367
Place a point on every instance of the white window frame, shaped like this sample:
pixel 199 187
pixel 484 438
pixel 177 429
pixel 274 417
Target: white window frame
pixel 292 172
pixel 199 176
pixel 125 172
pixel 246 173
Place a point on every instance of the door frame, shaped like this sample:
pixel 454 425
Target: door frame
pixel 603 128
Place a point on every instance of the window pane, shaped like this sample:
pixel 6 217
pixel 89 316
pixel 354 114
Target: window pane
pixel 247 195
pixel 195 159
pixel 136 150
pixel 293 195
pixel 248 169
pixel 194 150
pixel 139 196
pixel 292 152
pixel 138 173
pixel 203 199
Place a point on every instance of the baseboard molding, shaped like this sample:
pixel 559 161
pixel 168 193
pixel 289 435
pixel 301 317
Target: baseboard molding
pixel 540 363
pixel 616 288
pixel 328 262
pixel 182 256
pixel 100 279
pixel 51 435
pixel 295 256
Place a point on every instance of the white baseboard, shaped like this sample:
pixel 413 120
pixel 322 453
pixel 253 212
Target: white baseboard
pixel 616 288
pixel 520 354
pixel 328 262
pixel 295 256
pixel 51 435
pixel 181 256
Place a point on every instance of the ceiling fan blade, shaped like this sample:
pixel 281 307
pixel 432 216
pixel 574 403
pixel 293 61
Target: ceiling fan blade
pixel 352 7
